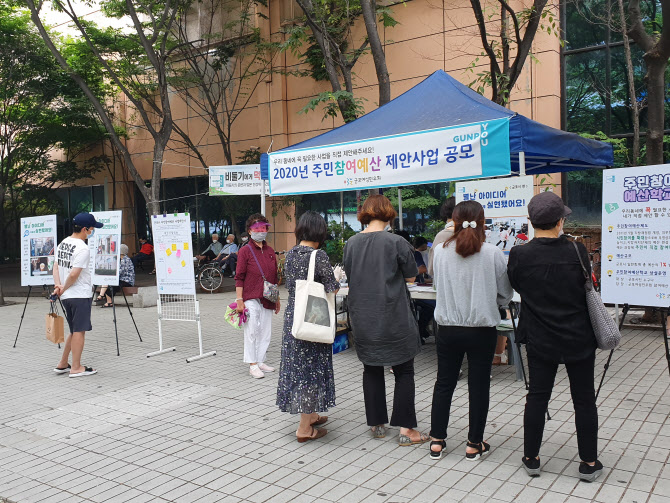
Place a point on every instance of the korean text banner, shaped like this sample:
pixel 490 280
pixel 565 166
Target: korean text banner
pixel 38 240
pixel 235 180
pixel 104 245
pixel 174 254
pixel 635 261
pixel 456 153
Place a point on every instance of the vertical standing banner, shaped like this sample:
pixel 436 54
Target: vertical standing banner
pixel 38 241
pixel 635 259
pixel 104 245
pixel 174 254
pixel 505 203
pixel 476 150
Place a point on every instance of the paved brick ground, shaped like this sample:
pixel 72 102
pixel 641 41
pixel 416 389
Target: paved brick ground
pixel 154 430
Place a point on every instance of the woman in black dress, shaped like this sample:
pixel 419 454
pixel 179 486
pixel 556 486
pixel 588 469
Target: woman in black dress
pixel 306 383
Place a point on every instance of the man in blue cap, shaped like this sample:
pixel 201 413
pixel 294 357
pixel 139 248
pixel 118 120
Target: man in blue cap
pixel 72 280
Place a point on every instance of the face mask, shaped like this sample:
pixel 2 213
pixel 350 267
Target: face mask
pixel 245 240
pixel 259 236
pixel 388 227
pixel 229 241
pixel 214 240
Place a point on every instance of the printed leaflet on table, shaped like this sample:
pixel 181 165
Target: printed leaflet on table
pixel 174 254
pixel 104 245
pixel 635 261
pixel 38 242
pixel 235 180
pixel 476 150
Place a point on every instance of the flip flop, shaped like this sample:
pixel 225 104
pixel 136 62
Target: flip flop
pixel 316 433
pixel 321 420
pixel 88 371
pixel 64 370
pixel 106 305
pixel 404 440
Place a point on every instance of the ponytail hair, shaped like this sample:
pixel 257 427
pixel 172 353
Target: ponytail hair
pixel 468 239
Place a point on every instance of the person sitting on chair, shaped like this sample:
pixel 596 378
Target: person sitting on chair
pixel 228 256
pixel 212 251
pixel 146 251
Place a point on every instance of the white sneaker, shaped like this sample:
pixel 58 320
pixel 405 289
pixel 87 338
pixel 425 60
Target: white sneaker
pixel 255 372
pixel 266 368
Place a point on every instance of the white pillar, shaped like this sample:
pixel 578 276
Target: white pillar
pixel 263 199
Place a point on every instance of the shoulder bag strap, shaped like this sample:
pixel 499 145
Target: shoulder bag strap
pixel 579 256
pixel 251 249
pixel 312 266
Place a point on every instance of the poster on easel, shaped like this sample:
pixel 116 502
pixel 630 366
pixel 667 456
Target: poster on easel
pixel 38 242
pixel 104 246
pixel 635 259
pixel 505 202
pixel 174 254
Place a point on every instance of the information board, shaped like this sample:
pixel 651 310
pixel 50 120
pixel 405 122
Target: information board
pixel 105 245
pixel 173 250
pixel 235 180
pixel 38 241
pixel 505 203
pixel 635 260
pixel 474 150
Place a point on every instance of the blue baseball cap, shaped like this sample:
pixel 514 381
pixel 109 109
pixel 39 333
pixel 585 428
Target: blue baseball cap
pixel 85 219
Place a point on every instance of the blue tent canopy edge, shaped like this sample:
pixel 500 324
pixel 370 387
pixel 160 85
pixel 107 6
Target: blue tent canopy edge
pixel 441 101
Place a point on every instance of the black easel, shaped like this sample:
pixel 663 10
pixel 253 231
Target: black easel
pixel 30 288
pixel 513 310
pixel 116 330
pixel 626 308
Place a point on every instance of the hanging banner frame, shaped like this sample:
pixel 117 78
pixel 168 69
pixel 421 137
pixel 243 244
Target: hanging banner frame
pixel 464 152
pixel 237 180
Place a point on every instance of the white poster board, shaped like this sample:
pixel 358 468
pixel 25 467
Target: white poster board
pixel 505 203
pixel 104 246
pixel 635 260
pixel 173 250
pixel 236 180
pixel 38 241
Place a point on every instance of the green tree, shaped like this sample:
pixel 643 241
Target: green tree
pixel 41 111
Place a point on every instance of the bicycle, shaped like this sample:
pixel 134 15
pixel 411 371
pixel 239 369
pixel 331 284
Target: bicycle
pixel 210 276
pixel 281 260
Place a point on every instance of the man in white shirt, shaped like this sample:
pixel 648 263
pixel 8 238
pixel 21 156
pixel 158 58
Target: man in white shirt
pixel 72 280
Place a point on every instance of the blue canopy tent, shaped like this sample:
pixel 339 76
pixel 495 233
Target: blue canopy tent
pixel 440 101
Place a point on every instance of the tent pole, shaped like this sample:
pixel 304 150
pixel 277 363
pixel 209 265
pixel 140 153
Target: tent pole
pixel 400 209
pixel 263 197
pixel 522 163
pixel 342 212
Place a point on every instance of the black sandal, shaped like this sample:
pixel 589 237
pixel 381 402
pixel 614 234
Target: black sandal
pixel 437 454
pixel 482 449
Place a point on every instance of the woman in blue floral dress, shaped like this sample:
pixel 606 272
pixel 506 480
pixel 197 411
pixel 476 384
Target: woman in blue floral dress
pixel 306 383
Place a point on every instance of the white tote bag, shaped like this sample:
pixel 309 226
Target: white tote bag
pixel 314 312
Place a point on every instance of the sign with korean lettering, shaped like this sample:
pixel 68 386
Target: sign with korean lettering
pixel 38 240
pixel 505 203
pixel 235 180
pixel 173 250
pixel 475 150
pixel 635 260
pixel 104 246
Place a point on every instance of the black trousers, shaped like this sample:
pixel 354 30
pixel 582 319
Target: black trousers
pixel 453 343
pixel 426 310
pixel 139 257
pixel 374 393
pixel 541 383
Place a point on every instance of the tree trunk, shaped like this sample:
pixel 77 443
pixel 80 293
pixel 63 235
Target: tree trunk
pixel 369 8
pixel 634 105
pixel 153 202
pixel 656 106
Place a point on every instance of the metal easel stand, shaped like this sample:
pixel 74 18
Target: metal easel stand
pixel 201 355
pixel 116 331
pixel 161 350
pixel 626 308
pixel 30 288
